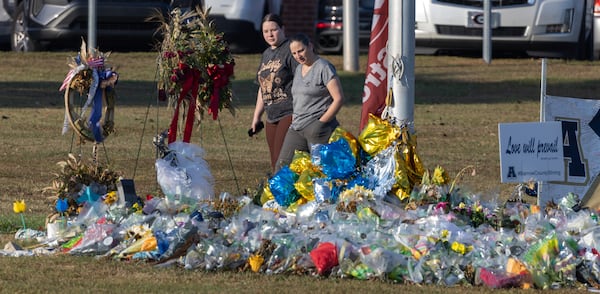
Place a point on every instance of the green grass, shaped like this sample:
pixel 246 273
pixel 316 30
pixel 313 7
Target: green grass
pixel 458 105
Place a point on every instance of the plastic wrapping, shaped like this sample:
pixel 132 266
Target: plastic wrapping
pixel 381 261
pixel 183 173
pixel 91 212
pixel 97 239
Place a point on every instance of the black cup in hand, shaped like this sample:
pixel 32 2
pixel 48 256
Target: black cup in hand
pixel 259 126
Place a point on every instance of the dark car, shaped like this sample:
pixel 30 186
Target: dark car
pixel 5 24
pixel 49 24
pixel 329 30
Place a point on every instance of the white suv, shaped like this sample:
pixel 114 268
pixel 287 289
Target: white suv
pixel 241 21
pixel 548 28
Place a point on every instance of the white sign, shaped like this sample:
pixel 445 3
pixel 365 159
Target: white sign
pixel 580 121
pixel 530 151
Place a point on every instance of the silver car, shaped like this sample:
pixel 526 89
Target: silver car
pixel 46 24
pixel 544 28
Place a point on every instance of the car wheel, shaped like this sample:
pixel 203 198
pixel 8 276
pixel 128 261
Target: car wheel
pixel 20 39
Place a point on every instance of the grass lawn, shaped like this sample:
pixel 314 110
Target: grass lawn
pixel 459 102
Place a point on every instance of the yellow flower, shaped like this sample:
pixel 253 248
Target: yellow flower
pixel 110 198
pixel 461 248
pixel 462 205
pixel 440 177
pixel 458 248
pixel 445 234
pixel 137 208
pixel 19 206
pixel 255 262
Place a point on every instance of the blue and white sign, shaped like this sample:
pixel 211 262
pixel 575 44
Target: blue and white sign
pixel 530 151
pixel 580 120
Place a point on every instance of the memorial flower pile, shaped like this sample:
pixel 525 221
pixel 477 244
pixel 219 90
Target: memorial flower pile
pixel 361 208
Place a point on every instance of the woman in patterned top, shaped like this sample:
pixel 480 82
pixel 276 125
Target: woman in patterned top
pixel 274 77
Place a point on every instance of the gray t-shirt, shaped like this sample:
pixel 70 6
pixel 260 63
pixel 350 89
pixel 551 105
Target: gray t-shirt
pixel 274 77
pixel 311 97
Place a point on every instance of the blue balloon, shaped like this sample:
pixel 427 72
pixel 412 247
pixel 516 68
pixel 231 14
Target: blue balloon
pixel 62 205
pixel 337 159
pixel 282 186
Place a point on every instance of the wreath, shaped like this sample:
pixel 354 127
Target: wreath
pixel 92 81
pixel 195 67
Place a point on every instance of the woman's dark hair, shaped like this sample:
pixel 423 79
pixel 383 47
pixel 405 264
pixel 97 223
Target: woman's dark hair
pixel 274 18
pixel 300 37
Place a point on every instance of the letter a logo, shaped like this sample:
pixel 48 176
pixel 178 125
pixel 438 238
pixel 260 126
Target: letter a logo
pixel 511 172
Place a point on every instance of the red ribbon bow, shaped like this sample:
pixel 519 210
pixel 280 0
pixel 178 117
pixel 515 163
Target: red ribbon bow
pixel 189 89
pixel 220 76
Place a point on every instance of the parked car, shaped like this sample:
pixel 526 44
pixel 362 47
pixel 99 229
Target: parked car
pixel 329 26
pixel 44 24
pixel 241 21
pixel 5 24
pixel 543 28
pixel 539 28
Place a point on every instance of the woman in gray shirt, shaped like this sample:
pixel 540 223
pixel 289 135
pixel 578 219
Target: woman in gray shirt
pixel 318 97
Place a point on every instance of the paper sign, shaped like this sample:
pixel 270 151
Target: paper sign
pixel 580 120
pixel 530 151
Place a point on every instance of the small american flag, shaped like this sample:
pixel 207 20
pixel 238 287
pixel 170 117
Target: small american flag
pixel 95 62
